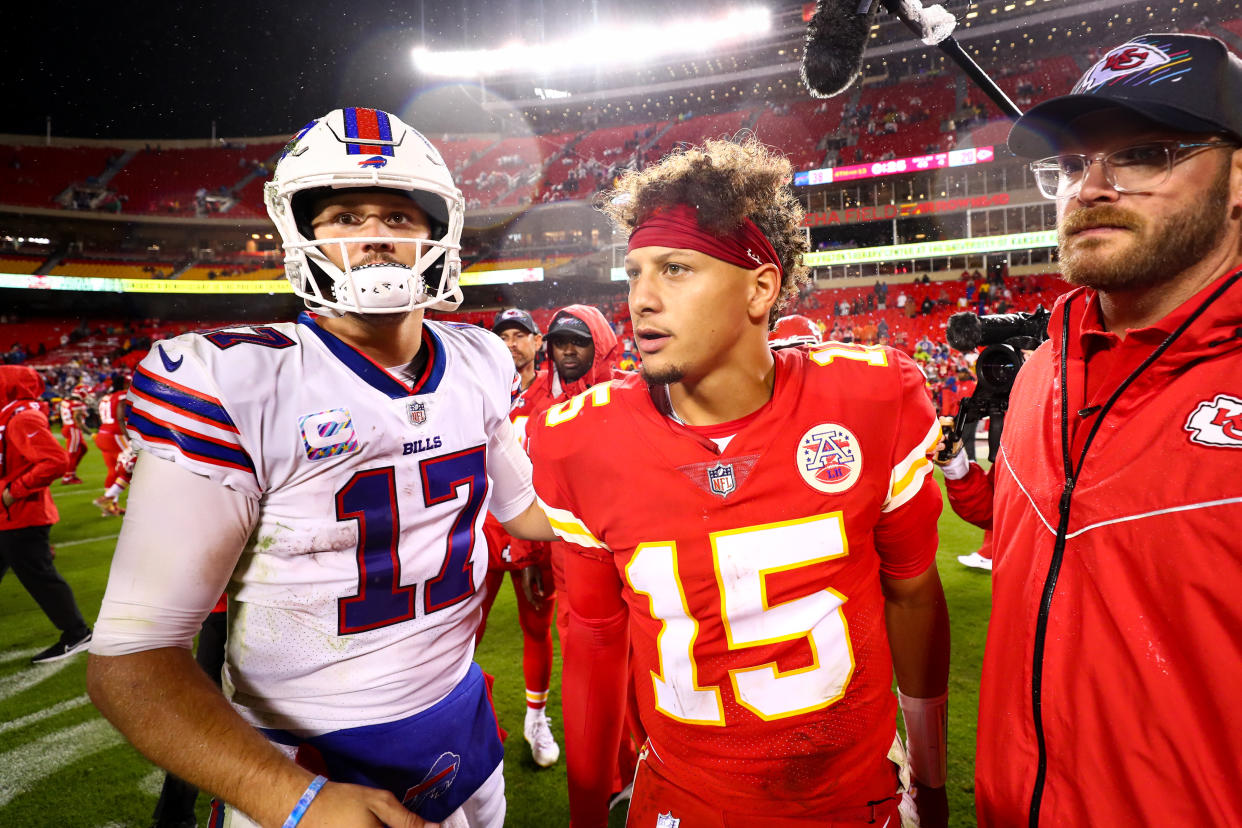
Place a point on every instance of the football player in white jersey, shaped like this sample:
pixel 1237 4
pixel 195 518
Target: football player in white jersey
pixel 332 476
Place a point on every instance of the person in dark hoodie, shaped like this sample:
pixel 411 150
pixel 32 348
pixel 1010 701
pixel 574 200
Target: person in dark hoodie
pixel 30 461
pixel 583 350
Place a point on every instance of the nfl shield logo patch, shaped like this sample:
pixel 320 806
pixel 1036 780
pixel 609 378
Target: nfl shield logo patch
pixel 667 821
pixel 417 412
pixel 720 481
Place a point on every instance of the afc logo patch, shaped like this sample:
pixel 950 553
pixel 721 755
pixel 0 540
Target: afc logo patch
pixel 1217 423
pixel 720 479
pixel 829 458
pixel 328 434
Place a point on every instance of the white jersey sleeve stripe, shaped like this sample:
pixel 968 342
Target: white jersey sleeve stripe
pixel 570 527
pixel 179 418
pixel 196 446
pixel 908 475
pixel 194 403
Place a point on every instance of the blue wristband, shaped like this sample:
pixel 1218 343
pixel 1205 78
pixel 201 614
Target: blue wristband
pixel 299 810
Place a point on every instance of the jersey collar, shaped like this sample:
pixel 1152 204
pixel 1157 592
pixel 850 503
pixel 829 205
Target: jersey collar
pixel 376 375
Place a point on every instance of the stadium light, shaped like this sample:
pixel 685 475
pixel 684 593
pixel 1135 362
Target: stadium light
pixel 598 47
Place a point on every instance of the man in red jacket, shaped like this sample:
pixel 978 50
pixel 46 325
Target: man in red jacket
pixel 1110 679
pixel 30 460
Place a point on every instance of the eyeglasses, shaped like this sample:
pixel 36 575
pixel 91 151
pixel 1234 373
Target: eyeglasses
pixel 1129 170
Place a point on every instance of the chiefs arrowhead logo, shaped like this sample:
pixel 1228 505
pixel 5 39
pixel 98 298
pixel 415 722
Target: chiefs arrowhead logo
pixel 1217 423
pixel 1126 59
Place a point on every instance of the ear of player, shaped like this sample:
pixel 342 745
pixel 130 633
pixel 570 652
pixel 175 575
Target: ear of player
pixel 358 148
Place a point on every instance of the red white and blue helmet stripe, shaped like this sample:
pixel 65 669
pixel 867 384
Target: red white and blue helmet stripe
pixel 368 123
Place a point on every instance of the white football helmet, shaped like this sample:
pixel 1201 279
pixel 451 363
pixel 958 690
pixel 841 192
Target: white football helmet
pixel 366 148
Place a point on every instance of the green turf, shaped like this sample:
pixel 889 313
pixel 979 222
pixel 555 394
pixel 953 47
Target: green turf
pixel 69 770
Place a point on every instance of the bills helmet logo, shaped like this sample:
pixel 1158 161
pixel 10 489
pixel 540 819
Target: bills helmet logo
pixel 416 411
pixel 829 458
pixel 720 479
pixel 1217 423
pixel 375 161
pixel 436 783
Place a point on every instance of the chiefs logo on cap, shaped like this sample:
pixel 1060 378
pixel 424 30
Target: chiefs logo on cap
pixel 1126 59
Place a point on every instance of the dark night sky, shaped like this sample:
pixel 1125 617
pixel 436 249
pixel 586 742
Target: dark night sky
pixel 148 70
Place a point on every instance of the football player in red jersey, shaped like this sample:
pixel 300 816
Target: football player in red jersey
pixel 792 330
pixel 112 442
pixel 72 427
pixel 760 526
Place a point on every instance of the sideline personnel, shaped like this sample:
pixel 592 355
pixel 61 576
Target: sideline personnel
pixel 1109 681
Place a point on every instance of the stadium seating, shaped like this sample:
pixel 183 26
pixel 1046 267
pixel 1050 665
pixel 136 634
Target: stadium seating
pixel 112 269
pixel 165 181
pixel 19 264
pixel 799 128
pixel 34 175
pixel 232 272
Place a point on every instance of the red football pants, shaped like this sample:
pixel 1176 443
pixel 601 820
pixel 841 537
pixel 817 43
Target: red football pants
pixel 536 625
pixel 633 733
pixel 110 444
pixel 75 445
pixel 656 794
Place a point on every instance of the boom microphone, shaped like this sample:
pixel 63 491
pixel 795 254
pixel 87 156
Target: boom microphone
pixel 835 38
pixel 837 34
pixel 967 331
pixel 964 331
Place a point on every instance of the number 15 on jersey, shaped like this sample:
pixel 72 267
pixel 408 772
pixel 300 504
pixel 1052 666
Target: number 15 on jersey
pixel 743 560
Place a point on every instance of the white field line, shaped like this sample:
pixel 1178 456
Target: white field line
pixel 89 490
pixel 40 715
pixel 63 544
pixel 16 683
pixel 17 655
pixel 152 783
pixel 27 765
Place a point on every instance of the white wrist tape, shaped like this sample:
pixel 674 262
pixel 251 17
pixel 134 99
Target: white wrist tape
pixel 957 468
pixel 926 723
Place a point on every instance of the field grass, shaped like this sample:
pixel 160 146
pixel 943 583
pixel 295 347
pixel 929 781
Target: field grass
pixel 62 765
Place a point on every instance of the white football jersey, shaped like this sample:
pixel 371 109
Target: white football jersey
pixel 357 596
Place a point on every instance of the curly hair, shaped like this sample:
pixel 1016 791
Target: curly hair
pixel 726 181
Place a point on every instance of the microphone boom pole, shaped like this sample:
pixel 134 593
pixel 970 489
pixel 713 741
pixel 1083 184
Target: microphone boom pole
pixel 954 51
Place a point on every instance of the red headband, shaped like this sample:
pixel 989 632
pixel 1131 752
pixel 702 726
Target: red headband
pixel 678 227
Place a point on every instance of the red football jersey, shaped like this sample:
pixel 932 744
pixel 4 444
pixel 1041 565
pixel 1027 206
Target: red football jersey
pixel 752 574
pixel 109 413
pixel 69 410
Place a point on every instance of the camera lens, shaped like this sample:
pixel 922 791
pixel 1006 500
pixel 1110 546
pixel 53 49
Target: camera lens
pixel 998 367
